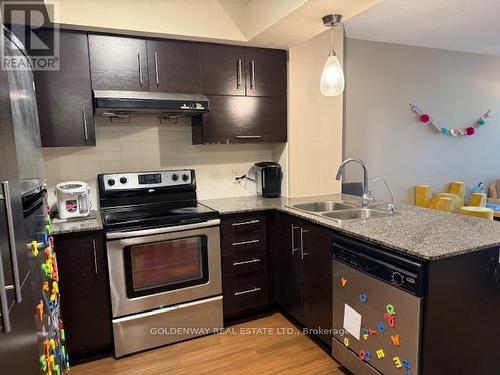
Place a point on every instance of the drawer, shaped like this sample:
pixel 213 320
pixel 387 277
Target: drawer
pixel 244 242
pixel 234 225
pixel 244 262
pixel 244 292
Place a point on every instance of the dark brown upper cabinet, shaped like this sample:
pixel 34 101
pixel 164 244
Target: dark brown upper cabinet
pixel 222 69
pixel 266 72
pixel 242 119
pixel 64 97
pixel 174 66
pixel 118 63
pixel 231 70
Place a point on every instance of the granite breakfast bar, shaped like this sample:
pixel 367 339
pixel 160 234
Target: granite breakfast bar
pixel 460 332
pixel 419 232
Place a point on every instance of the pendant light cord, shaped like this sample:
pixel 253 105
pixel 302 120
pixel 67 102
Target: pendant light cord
pixel 332 51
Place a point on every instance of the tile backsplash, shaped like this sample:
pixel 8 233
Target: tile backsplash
pixel 144 144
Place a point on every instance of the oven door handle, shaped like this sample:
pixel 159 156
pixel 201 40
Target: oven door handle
pixel 150 232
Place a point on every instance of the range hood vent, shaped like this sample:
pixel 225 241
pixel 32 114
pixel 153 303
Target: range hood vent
pixel 120 104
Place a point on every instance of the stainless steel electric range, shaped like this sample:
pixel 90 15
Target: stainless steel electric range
pixel 164 258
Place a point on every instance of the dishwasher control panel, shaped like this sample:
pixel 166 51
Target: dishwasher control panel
pixel 401 272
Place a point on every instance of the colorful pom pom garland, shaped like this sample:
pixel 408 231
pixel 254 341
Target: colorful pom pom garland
pixel 470 130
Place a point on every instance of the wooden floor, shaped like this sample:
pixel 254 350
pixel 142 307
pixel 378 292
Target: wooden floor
pixel 237 353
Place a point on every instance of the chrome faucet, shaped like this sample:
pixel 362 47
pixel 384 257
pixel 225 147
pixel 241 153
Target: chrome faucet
pixel 366 199
pixel 391 207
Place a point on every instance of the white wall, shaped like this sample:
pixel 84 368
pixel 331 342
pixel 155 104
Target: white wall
pixel 146 145
pixel 314 120
pixel 454 87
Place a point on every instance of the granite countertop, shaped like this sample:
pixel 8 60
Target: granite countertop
pixel 420 232
pixel 82 224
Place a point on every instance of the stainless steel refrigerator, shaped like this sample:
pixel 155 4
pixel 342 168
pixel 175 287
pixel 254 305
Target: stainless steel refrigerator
pixel 31 332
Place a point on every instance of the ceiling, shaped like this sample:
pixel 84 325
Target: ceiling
pixel 460 25
pixel 264 23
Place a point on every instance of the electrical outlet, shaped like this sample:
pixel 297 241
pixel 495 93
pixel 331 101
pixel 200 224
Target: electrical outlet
pixel 235 175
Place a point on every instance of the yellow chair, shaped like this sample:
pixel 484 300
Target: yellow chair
pixel 480 212
pixel 446 202
pixel 452 201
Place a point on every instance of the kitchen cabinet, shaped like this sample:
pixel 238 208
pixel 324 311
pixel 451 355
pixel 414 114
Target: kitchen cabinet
pixel 222 69
pixel 266 72
pixel 301 272
pixel 64 97
pixel 84 289
pixel 244 264
pixel 118 63
pixel 174 66
pixel 285 267
pixel 232 70
pixel 242 119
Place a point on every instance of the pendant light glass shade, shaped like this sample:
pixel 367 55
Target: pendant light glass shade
pixel 332 78
pixel 332 81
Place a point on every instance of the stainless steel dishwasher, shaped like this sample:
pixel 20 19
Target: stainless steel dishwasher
pixel 377 306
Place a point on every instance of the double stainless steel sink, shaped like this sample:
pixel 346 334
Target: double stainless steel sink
pixel 341 211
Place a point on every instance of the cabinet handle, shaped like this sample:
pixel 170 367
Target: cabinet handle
pixel 294 249
pixel 85 129
pixel 140 68
pixel 245 223
pixel 248 137
pixel 302 253
pixel 4 303
pixel 245 242
pixel 96 271
pixel 254 260
pixel 156 70
pixel 239 76
pixel 246 291
pixel 12 240
pixel 252 74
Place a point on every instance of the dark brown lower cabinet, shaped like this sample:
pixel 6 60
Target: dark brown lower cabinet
pixel 84 291
pixel 244 264
pixel 301 272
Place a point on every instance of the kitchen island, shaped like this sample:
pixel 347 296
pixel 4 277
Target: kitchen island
pixel 420 232
pixel 458 330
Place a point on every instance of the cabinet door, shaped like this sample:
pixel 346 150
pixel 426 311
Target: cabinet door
pixel 222 69
pixel 84 293
pixel 240 119
pixel 266 72
pixel 64 97
pixel 174 66
pixel 316 257
pixel 118 63
pixel 286 266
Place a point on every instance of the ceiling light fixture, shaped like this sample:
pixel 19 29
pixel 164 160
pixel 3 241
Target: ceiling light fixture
pixel 332 78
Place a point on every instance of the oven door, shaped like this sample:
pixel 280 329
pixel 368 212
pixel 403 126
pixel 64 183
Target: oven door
pixel 155 268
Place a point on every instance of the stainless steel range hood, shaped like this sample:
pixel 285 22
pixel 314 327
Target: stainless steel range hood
pixel 113 103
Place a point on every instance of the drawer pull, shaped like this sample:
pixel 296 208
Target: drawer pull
pixel 245 242
pixel 254 260
pixel 245 223
pixel 247 291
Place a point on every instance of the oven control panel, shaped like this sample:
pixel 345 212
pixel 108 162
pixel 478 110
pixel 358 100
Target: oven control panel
pixel 147 180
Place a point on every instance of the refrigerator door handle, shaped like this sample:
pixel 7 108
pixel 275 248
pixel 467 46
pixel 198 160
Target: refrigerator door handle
pixel 12 241
pixel 4 303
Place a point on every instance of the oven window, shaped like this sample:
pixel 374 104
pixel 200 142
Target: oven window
pixel 167 265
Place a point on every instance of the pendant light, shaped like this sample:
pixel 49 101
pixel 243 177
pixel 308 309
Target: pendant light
pixel 332 78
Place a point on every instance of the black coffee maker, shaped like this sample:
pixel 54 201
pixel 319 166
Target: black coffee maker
pixel 268 176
